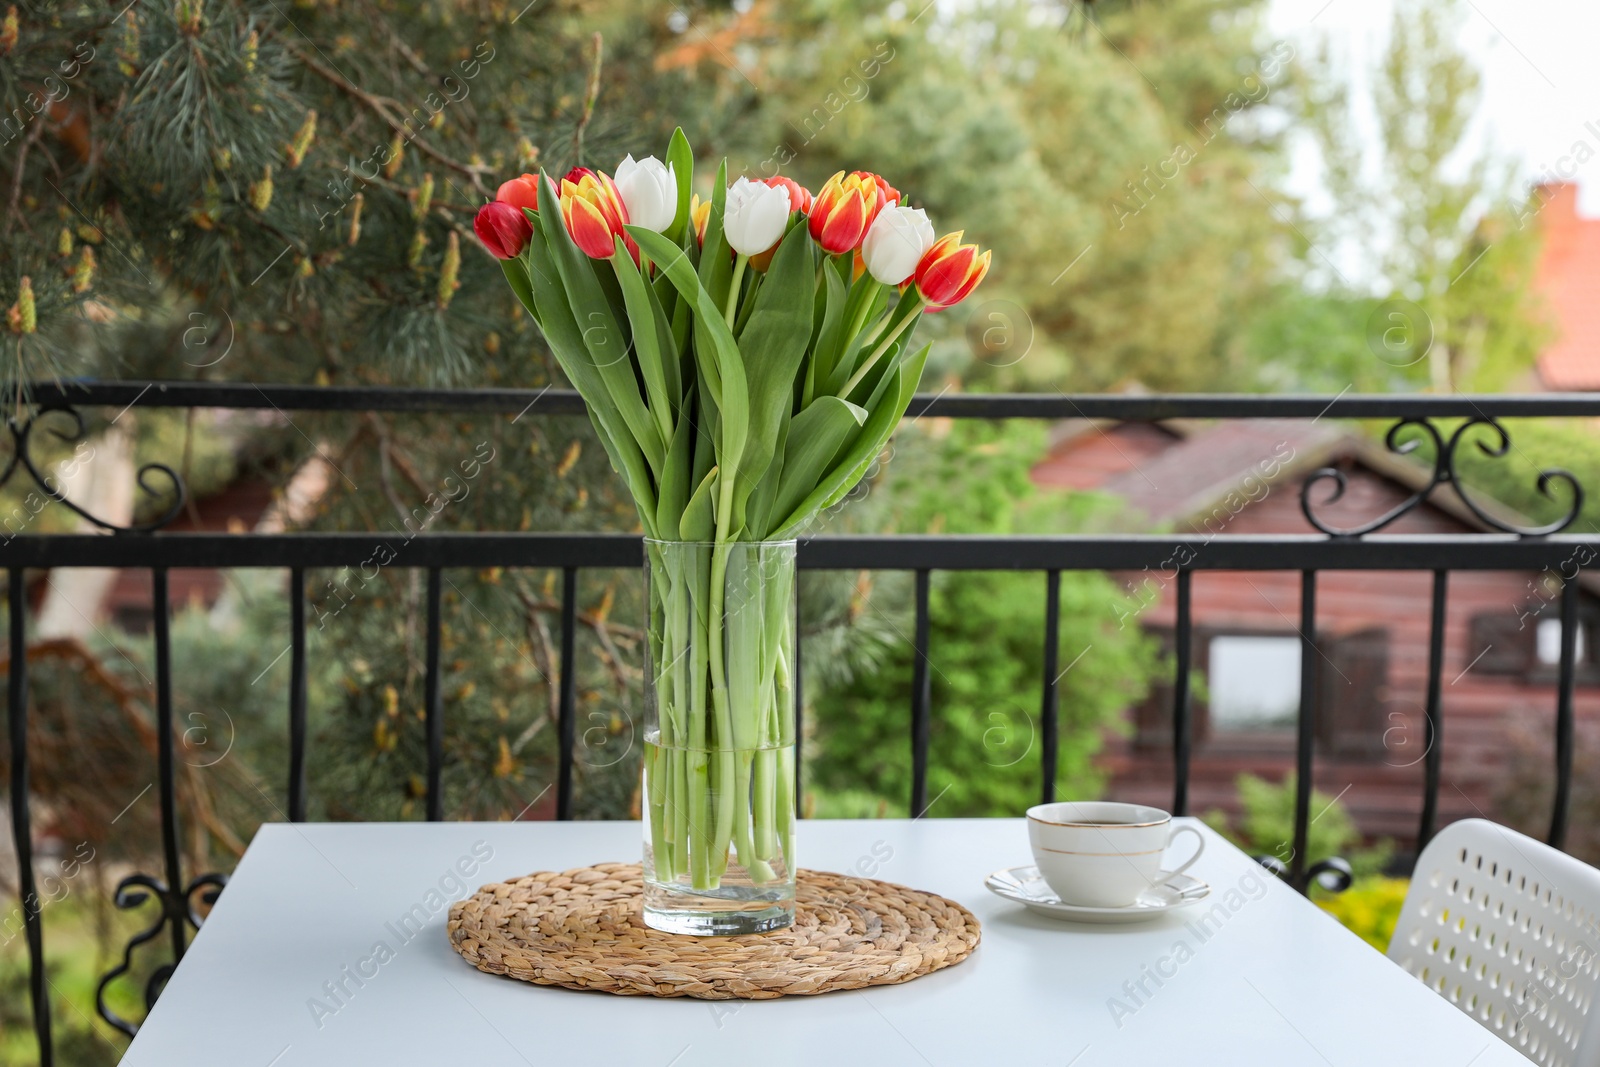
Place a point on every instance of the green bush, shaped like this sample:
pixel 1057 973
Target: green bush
pixel 1370 908
pixel 986 654
pixel 1266 827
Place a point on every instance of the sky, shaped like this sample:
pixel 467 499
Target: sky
pixel 1541 77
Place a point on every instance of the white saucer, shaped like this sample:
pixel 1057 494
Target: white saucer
pixel 1025 886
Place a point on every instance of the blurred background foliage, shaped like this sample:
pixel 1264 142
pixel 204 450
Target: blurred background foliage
pixel 261 191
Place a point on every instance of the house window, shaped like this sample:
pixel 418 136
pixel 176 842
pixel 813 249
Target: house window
pixel 1254 682
pixel 1547 642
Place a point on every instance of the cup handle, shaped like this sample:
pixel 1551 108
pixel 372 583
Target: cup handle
pixel 1200 847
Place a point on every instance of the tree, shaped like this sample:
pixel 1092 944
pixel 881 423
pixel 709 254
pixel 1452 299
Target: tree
pixel 1111 153
pixel 1432 217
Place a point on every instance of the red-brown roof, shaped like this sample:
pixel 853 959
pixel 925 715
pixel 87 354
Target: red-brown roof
pixel 1568 279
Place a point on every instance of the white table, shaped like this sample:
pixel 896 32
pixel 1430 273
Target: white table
pixel 1271 981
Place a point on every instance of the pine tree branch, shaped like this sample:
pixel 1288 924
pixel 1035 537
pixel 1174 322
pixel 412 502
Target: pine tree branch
pixel 12 214
pixel 473 171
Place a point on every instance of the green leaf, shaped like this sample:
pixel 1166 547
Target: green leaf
pixel 815 436
pixel 561 333
pixel 848 470
pixel 831 339
pixel 868 298
pixel 645 321
pixel 680 157
pixel 716 258
pixel 517 277
pixel 759 506
pixel 714 345
pixel 826 339
pixel 602 335
pixel 697 522
pixel 675 479
pixel 774 344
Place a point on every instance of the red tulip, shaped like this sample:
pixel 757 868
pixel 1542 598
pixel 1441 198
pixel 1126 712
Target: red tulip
pixel 949 271
pixel 799 196
pixel 845 208
pixel 520 192
pixel 503 229
pixel 595 213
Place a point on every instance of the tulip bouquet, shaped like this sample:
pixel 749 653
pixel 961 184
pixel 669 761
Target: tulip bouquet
pixel 744 359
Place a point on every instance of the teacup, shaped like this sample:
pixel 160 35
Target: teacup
pixel 1101 854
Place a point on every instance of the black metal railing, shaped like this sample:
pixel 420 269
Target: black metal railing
pixel 1534 549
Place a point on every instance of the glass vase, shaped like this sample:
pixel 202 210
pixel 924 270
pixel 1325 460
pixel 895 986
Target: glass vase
pixel 719 754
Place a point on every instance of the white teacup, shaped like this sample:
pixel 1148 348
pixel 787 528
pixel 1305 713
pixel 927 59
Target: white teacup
pixel 1101 854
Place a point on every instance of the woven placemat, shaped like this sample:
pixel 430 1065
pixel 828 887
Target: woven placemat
pixel 582 929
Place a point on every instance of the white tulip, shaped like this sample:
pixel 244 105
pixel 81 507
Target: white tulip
pixel 649 190
pixel 755 216
pixel 896 242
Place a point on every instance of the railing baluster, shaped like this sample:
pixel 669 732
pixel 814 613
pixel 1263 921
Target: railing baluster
pixel 1306 730
pixel 1565 680
pixel 21 814
pixel 297 694
pixel 799 709
pixel 166 770
pixel 1433 728
pixel 434 702
pixel 1182 729
pixel 567 714
pixel 1049 709
pixel 921 699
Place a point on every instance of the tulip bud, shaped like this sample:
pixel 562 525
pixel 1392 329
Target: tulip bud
pixel 699 214
pixel 896 242
pixel 521 192
pixel 949 271
pixel 755 216
pixel 503 229
pixel 649 190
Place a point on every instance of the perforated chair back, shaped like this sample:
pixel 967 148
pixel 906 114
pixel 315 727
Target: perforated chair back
pixel 1505 928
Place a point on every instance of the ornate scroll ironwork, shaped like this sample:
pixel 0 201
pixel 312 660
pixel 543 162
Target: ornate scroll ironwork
pixel 1445 470
pixel 21 431
pixel 176 910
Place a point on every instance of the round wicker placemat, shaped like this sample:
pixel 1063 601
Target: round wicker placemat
pixel 582 929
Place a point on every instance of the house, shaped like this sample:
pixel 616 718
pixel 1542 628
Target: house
pixel 1502 636
pixel 1567 279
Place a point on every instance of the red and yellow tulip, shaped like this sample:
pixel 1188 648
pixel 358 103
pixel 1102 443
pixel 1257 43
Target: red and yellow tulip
pixel 845 207
pixel 949 271
pixel 594 213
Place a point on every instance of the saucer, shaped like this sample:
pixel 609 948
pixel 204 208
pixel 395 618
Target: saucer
pixel 1025 886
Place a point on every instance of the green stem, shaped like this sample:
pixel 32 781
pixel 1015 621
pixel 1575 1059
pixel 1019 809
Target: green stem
pixel 882 347
pixel 729 312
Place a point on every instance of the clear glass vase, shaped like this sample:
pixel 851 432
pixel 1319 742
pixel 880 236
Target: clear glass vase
pixel 719 754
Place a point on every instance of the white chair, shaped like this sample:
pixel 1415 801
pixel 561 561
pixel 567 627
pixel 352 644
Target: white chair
pixel 1505 928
